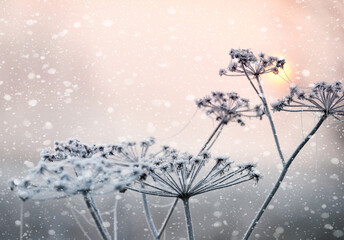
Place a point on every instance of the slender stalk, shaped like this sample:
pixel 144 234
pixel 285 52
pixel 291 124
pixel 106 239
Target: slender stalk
pixel 164 224
pixel 21 231
pixel 213 134
pixel 261 95
pixel 149 217
pixel 79 224
pixel 270 120
pixel 281 177
pixel 188 218
pixel 96 216
pixel 115 222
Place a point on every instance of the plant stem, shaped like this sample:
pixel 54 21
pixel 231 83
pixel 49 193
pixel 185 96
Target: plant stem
pixel 164 224
pixel 213 134
pixel 115 229
pixel 281 177
pixel 79 224
pixel 188 218
pixel 149 217
pixel 270 120
pixel 21 220
pixel 96 216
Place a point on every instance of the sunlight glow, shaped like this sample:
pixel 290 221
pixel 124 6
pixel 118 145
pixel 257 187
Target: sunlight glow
pixel 283 79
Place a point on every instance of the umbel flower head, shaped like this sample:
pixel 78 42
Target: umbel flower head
pixel 177 175
pixel 243 60
pixel 322 97
pixel 228 107
pixel 75 168
pixel 131 151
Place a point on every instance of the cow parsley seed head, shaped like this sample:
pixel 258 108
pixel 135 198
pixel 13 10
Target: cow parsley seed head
pixel 243 60
pixel 182 175
pixel 321 97
pixel 228 107
pixel 75 168
pixel 132 152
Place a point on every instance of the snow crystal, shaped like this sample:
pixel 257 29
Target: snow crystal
pixel 325 215
pixel 48 125
pixel 338 233
pixel 217 214
pixel 17 223
pixel 264 29
pixel 29 164
pixel 7 97
pixel 31 22
pixel 334 161
pixel 52 71
pixel 279 230
pixel 77 25
pixel 31 76
pixel 266 153
pixel 107 23
pixel 305 73
pixel 334 176
pixel 110 110
pixel 217 224
pixel 66 83
pixel 32 102
pixel 328 226
pixel 51 232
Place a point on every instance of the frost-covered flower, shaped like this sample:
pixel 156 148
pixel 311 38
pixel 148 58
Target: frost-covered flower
pixel 321 97
pixel 178 175
pixel 131 151
pixel 75 168
pixel 228 107
pixel 243 60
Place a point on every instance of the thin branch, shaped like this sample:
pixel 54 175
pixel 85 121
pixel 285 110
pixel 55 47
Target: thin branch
pixel 281 177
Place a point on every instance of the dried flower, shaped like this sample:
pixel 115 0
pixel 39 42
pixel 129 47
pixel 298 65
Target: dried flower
pixel 74 168
pixel 228 107
pixel 174 175
pixel 244 60
pixel 322 97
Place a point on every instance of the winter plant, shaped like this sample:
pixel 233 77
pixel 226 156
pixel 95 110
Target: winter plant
pixel 322 98
pixel 74 168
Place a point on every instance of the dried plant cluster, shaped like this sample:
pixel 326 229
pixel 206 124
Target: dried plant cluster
pixel 73 168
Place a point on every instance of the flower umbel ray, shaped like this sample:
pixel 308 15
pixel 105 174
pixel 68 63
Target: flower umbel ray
pixel 174 175
pixel 229 107
pixel 243 62
pixel 75 168
pixel 322 97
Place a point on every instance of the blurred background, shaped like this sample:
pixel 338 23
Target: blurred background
pixel 111 71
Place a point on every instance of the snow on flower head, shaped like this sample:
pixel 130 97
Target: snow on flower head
pixel 321 97
pixel 243 60
pixel 228 107
pixel 183 175
pixel 75 168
